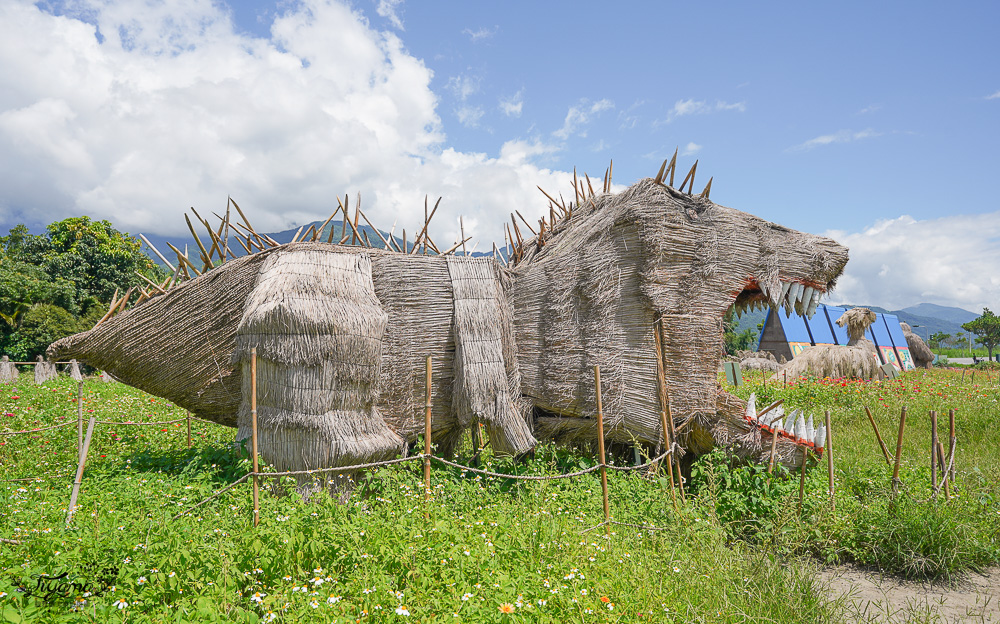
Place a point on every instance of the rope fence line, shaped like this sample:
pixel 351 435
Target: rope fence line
pixel 10 433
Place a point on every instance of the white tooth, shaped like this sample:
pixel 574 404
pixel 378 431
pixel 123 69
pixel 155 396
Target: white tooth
pixel 789 425
pixel 774 415
pixel 810 430
pixel 763 289
pixel 821 436
pixel 806 295
pixel 800 427
pixel 752 406
pixel 784 291
pixel 812 307
pixel 793 293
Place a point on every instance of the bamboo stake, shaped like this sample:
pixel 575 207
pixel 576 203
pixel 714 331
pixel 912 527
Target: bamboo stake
pixel 253 432
pixel 658 341
pixel 899 451
pixel 151 283
pixel 802 478
pixel 157 252
pixel 197 240
pixel 79 418
pixel 829 458
pixel 934 462
pixel 661 386
pixel 878 436
pixel 427 222
pixel 79 470
pixel 427 438
pixel 456 246
pixel 225 242
pixel 526 224
pixel 183 259
pixel 461 226
pixel 951 441
pixel 600 451
pixel 774 448
pixel 374 229
pixel 945 474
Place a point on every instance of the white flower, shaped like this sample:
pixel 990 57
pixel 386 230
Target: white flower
pixel 141 581
pixel 466 597
pixel 258 598
pixel 270 616
pixel 401 610
pixel 121 604
pixel 314 604
pixel 583 592
pixel 333 599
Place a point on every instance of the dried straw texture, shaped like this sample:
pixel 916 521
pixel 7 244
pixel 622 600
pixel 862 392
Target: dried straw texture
pixel 317 326
pixel 74 370
pixel 8 372
pixel 486 376
pixel 923 357
pixel 856 321
pixel 592 293
pixel 44 371
pixel 179 345
pixel 762 364
pixel 857 361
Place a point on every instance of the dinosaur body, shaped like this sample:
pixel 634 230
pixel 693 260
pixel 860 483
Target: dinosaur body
pixel 341 333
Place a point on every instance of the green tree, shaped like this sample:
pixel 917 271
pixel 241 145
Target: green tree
pixel 733 341
pixel 987 330
pixel 41 325
pixel 939 339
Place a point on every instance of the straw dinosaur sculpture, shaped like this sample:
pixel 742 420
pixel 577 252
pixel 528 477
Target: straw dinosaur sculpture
pixel 341 332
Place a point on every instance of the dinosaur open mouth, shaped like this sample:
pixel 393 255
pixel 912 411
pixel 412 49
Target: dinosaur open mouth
pixel 792 426
pixel 797 296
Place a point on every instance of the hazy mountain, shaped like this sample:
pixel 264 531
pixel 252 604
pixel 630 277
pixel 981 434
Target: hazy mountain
pixel 930 310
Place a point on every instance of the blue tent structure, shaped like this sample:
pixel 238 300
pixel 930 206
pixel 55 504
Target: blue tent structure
pixel 790 335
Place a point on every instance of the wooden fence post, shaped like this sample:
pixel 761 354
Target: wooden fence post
pixel 802 478
pixel 189 429
pixel 951 442
pixel 899 451
pixel 253 433
pixel 829 459
pixel 79 418
pixel 934 462
pixel 79 470
pixel 878 436
pixel 600 451
pixel 427 436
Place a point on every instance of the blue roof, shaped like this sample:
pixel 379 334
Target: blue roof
pixel 795 329
pixel 895 331
pixel 819 327
pixel 833 313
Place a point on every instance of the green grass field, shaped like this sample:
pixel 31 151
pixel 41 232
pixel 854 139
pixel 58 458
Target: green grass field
pixel 489 550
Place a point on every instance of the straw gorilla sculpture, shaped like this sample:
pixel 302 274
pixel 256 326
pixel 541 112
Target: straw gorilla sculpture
pixel 341 332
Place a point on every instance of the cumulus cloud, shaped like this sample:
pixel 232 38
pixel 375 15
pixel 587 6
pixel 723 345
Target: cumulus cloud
pixel 132 114
pixel 581 115
pixel 513 105
pixel 701 107
pixel 690 149
pixel 388 9
pixel 480 34
pixel 843 136
pixel 900 262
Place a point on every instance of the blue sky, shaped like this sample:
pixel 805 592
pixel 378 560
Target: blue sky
pixel 875 123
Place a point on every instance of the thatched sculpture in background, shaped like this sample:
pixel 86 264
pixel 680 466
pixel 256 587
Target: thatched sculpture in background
pixel 923 357
pixel 341 332
pixel 44 371
pixel 757 361
pixel 74 370
pixel 8 371
pixel 855 360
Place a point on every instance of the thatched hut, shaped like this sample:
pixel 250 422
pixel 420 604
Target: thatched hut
pixel 44 371
pixel 855 360
pixel 74 370
pixel 923 357
pixel 8 371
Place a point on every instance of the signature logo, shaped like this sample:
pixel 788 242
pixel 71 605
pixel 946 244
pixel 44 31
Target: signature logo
pixel 93 582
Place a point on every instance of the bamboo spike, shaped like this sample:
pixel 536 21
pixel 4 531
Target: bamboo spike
pixel 143 295
pixel 296 236
pixel 551 199
pixel 365 236
pixel 452 249
pixel 430 242
pixel 357 211
pixel 427 222
pixel 541 235
pixel 197 240
pixel 310 233
pixel 589 185
pixel 242 216
pixel 211 234
pixel 461 226
pixel 253 238
pixel 157 252
pixel 391 230
pixel 506 242
pixel 516 230
pixel 271 241
pixel 225 242
pixel 319 232
pixel 605 186
pixel 374 229
pixel 576 192
pixel 404 240
pixel 526 222
pixel 611 169
pixel 552 215
pixel 354 228
pixel 673 166
pixel 473 250
pixel 151 283
pixel 689 176
pixel 708 188
pixel 123 302
pixel 183 258
pixel 347 218
pixel 659 174
pixel 173 278
pixel 239 239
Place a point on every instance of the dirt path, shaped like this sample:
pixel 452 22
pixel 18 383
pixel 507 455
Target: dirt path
pixel 875 598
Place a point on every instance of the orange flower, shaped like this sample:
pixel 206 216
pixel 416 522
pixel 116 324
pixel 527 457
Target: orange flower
pixel 605 599
pixel 506 608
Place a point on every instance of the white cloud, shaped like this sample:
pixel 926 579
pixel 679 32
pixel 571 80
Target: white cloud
pixel 513 105
pixel 690 149
pixel 388 9
pixel 464 86
pixel 176 109
pixel 480 34
pixel 900 262
pixel 469 116
pixel 871 108
pixel 701 107
pixel 843 136
pixel 580 115
pixel 994 96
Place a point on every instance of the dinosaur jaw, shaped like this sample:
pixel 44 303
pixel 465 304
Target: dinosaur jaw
pixel 794 295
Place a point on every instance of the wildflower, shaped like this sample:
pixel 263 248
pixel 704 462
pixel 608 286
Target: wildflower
pixel 583 592
pixel 314 604
pixel 258 598
pixel 172 575
pixel 401 610
pixel 466 597
pixel 506 608
pixel 605 599
pixel 270 616
pixel 542 602
pixel 120 603
pixel 141 581
pixel 333 599
pixel 676 569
